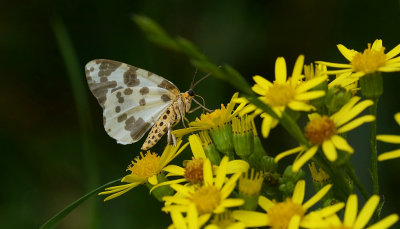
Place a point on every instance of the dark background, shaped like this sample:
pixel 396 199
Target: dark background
pixel 53 145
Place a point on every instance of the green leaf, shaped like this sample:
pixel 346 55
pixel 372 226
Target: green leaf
pixel 61 215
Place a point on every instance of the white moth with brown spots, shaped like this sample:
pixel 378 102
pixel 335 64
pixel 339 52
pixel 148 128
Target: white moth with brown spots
pixel 135 100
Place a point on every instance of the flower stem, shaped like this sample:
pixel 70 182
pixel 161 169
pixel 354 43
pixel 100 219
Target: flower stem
pixel 352 174
pixel 374 152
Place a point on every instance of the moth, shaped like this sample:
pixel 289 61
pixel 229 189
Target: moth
pixel 135 100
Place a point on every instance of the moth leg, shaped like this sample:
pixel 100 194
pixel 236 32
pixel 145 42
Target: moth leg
pixel 171 136
pixel 194 109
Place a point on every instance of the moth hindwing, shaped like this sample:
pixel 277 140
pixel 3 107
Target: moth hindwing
pixel 133 100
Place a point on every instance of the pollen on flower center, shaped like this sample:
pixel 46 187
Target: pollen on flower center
pixel 206 198
pixel 369 61
pixel 145 166
pixel 194 170
pixel 280 94
pixel 280 214
pixel 320 129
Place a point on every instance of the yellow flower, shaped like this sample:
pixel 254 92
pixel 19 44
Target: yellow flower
pixel 192 220
pixel 212 120
pixel 208 198
pixel 284 92
pixel 352 221
pixel 373 59
pixel 145 169
pixel 290 213
pixel 323 131
pixel 390 139
pixel 193 171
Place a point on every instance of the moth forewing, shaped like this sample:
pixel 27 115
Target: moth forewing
pixel 132 99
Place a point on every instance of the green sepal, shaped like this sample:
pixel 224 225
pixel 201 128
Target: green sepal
pixel 250 202
pixel 372 85
pixel 223 139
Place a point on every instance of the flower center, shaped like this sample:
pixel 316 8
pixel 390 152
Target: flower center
pixel 369 61
pixel 320 129
pixel 206 198
pixel 145 166
pixel 280 95
pixel 281 213
pixel 194 170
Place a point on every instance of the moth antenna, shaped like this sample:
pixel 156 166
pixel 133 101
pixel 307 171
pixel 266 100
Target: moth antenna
pixel 202 105
pixel 194 76
pixel 204 77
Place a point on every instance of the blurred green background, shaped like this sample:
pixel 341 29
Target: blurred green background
pixel 53 145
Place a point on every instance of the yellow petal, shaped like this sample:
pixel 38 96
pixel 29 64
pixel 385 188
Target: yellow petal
pixel 258 89
pixel 377 45
pixel 266 125
pixel 353 112
pixel 192 217
pixel 298 68
pixel 262 82
pixel 153 180
pixel 366 212
pixel 207 172
pixel 355 123
pixel 251 218
pixel 330 210
pixel 178 220
pixel 196 146
pixel 280 70
pixel 347 53
pixel 307 85
pixel 294 222
pixel 317 197
pixel 304 158
pixel 174 170
pixel 389 138
pixel 237 166
pixel 298 193
pixel 177 181
pixel 329 150
pixel 221 172
pixel 351 210
pixel 287 153
pixel 397 118
pixel 229 203
pixel 341 143
pixel 394 52
pixel 334 65
pixel 229 185
pixel 310 95
pixel 300 106
pixel 386 222
pixel 265 203
pixel 389 155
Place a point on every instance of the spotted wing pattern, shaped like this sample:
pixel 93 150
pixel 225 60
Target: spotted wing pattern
pixel 132 99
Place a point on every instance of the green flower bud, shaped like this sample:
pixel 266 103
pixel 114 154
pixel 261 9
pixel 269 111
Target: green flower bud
pixel 288 180
pixel 371 85
pixel 243 140
pixel 209 148
pixel 335 98
pixel 223 139
pixel 249 189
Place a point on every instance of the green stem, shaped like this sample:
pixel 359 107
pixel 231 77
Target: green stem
pixel 374 152
pixel 352 174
